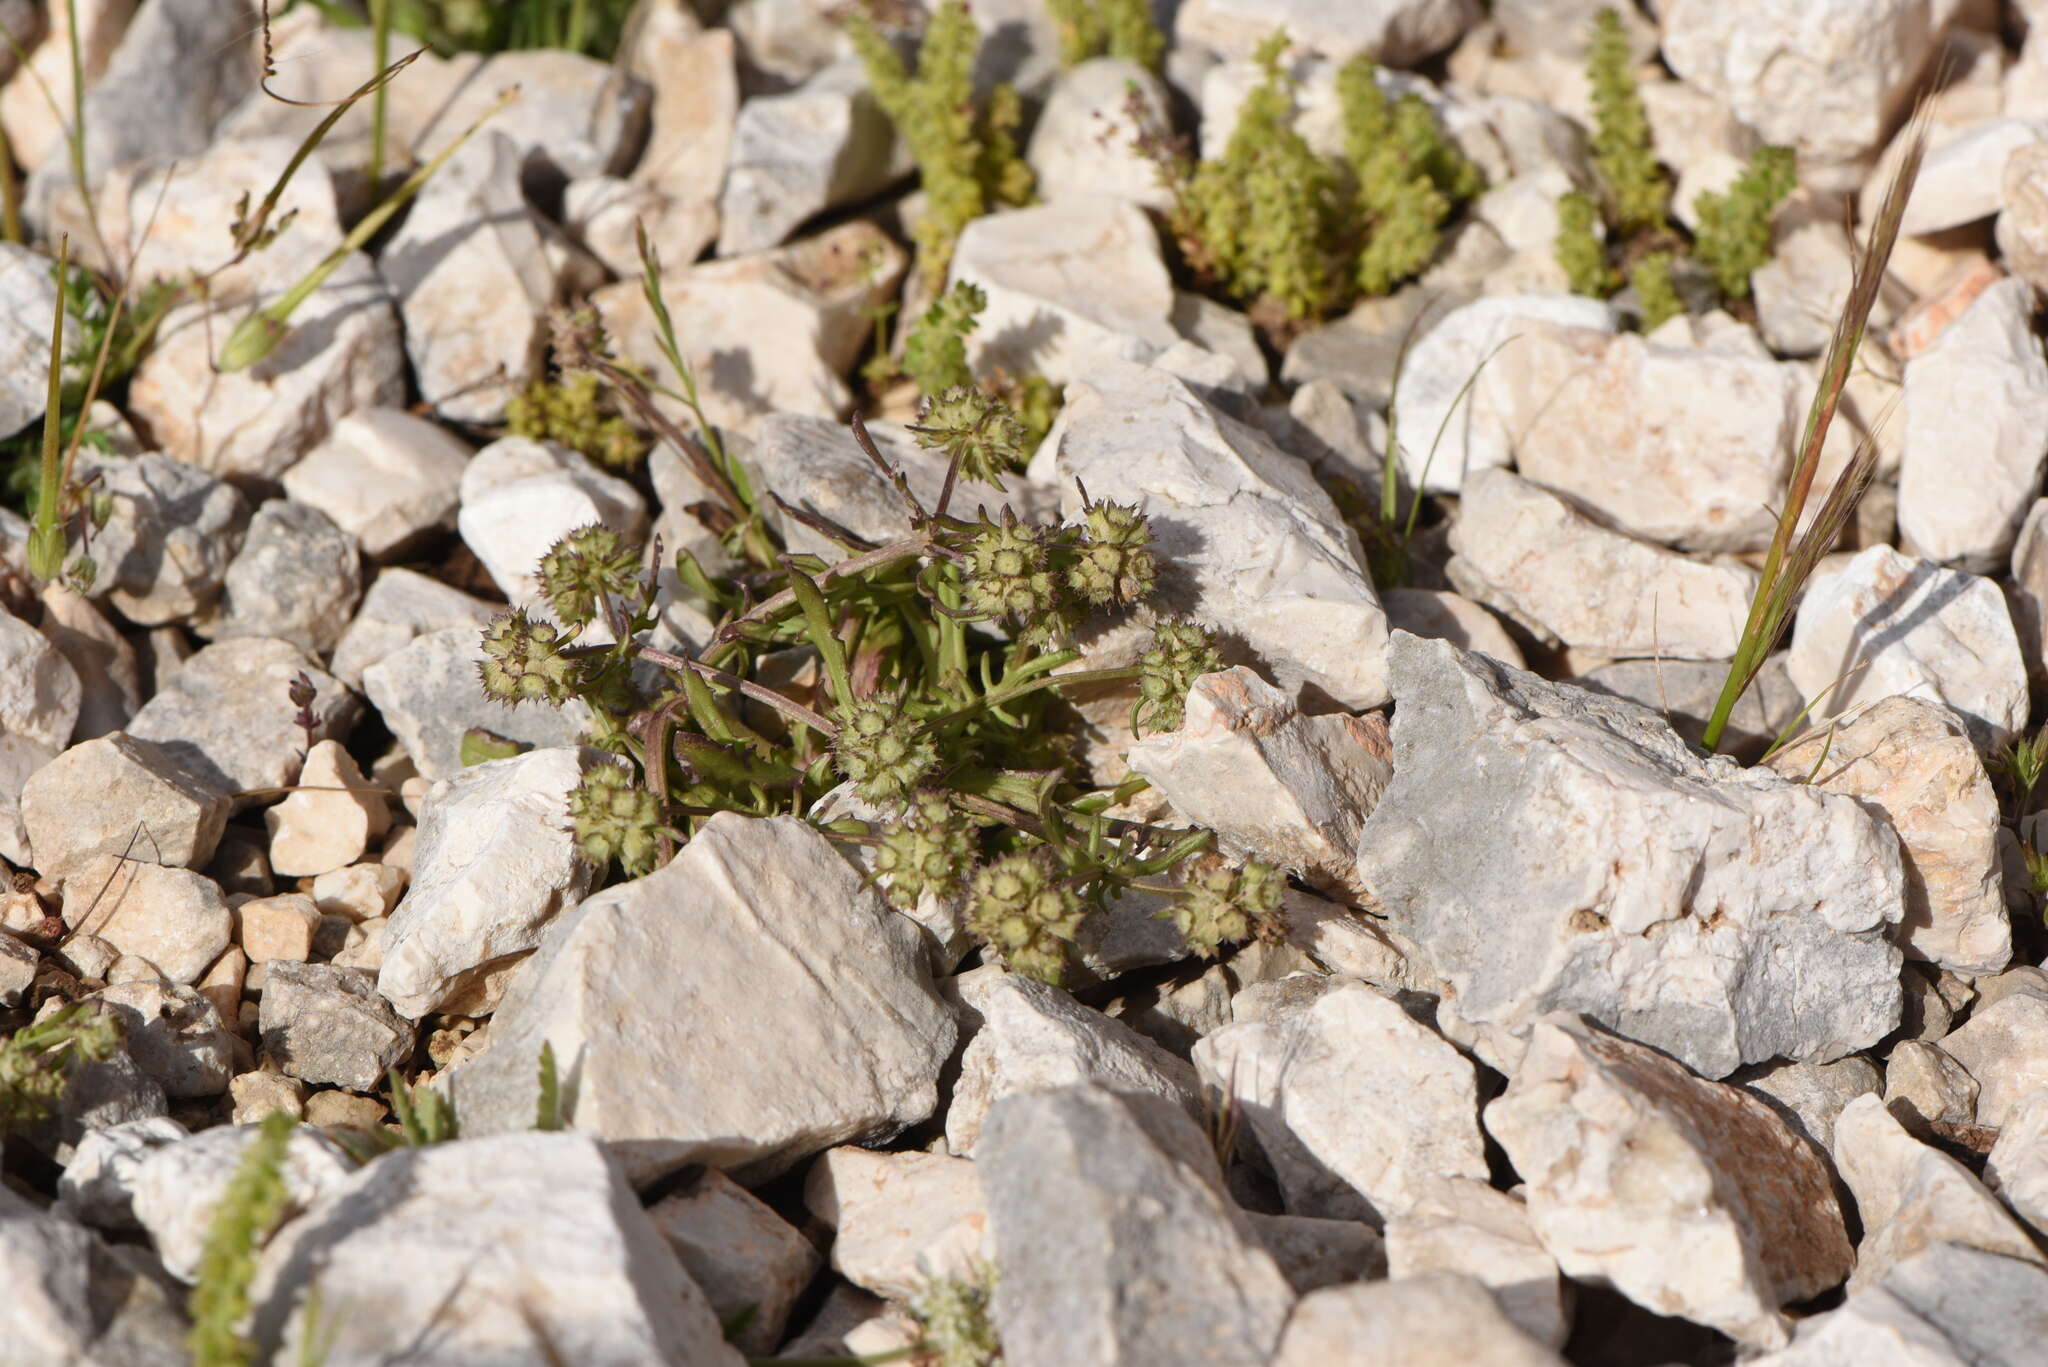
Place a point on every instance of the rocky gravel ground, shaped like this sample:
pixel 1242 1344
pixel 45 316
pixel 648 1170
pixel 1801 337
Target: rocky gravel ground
pixel 1567 1040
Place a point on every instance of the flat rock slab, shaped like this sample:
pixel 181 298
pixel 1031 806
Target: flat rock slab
pixel 1551 849
pixel 747 1005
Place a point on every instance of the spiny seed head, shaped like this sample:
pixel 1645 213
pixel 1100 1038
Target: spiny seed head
pixel 1219 904
pixel 975 428
pixel 615 818
pixel 1007 570
pixel 1181 653
pixel 1022 910
pixel 955 1314
pixel 523 660
pixel 1114 563
pixel 883 750
pixel 584 566
pixel 928 850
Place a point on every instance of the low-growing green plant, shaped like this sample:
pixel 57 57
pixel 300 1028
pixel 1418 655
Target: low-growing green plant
pixel 1734 236
pixel 935 351
pixel 575 409
pixel 1637 188
pixel 37 1061
pixel 1108 28
pixel 589 27
pixel 1271 220
pixel 967 158
pixel 956 1318
pixel 425 1115
pixel 934 660
pixel 255 1200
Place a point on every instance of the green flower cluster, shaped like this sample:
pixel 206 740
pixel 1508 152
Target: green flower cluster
pixel 1022 908
pixel 1107 28
pixel 570 410
pixel 612 817
pixel 1181 653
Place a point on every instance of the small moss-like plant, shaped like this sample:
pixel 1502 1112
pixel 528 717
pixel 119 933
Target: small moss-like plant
pixel 1108 28
pixel 1655 294
pixel 1271 220
pixel 255 1200
pixel 1259 219
pixel 37 1062
pixel 1410 176
pixel 574 408
pixel 1734 236
pixel 1579 249
pixel 1621 131
pixel 957 1319
pixel 936 659
pixel 966 155
pixel 935 352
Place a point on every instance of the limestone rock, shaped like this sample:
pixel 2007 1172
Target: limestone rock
pixel 798 153
pixel 383 476
pixel 1913 1197
pixel 402 1235
pixel 330 821
pixel 297 578
pixel 1430 1317
pixel 1246 540
pixel 2017 1168
pixel 1397 32
pixel 496 862
pixel 811 1019
pixel 1531 555
pixel 1948 1305
pixel 178 1185
pixel 520 496
pixel 1458 1224
pixel 429 693
pixel 172 917
pixel 1116 1239
pixel 1082 144
pixel 327 1024
pixel 899 1219
pixel 1976 410
pixel 1273 784
pixel 1888 624
pixel 1354 1103
pixel 1690 1198
pixel 1033 1037
pixel 228 714
pixel 1723 914
pixel 2004 1044
pixel 174 1036
pixel 402 605
pixel 145 804
pixel 742 1255
pixel 173 531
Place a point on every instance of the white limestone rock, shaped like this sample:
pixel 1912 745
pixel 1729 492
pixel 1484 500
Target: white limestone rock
pixel 39 690
pixel 97 1186
pixel 899 1219
pixel 110 684
pixel 695 99
pixel 173 531
pixel 574 115
pixel 1459 1224
pixel 331 820
pixel 429 693
pixel 401 606
pixel 1068 282
pixel 796 154
pixel 774 1008
pixel 1827 78
pixel 143 804
pixel 771 332
pixel 473 268
pixel 385 477
pixel 1246 540
pixel 173 1034
pixel 1887 624
pixel 297 578
pixel 2017 1168
pixel 1355 1104
pixel 1477 429
pixel 227 714
pixel 1083 142
pixel 1976 432
pixel 572 1260
pixel 1116 1239
pixel 1273 784
pixel 1032 1037
pixel 321 1023
pixel 1913 761
pixel 1809 1096
pixel 520 496
pixel 1683 447
pixel 1723 914
pixel 1397 32
pixel 495 863
pixel 1445 1319
pixel 1691 1199
pixel 2004 1044
pixel 174 918
pixel 1947 1306
pixel 178 1185
pixel 1912 1197
pixel 28 288
pixel 1531 555
pixel 743 1256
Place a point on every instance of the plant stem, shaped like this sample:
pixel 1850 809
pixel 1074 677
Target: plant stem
pixel 380 38
pixel 46 537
